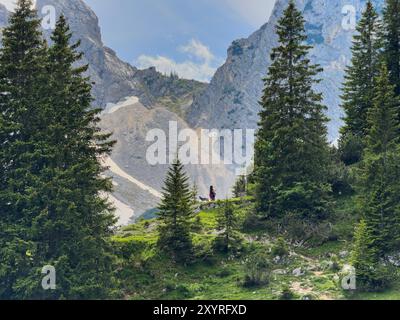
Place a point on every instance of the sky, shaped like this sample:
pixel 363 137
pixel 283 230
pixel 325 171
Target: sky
pixel 187 37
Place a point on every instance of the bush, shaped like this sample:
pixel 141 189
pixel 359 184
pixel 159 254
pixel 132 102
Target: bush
pixel 304 230
pixel 183 291
pixel 257 270
pixel 286 294
pixel 308 201
pixel 240 187
pixel 224 273
pixel 377 279
pixel 340 178
pixel 280 249
pixel 335 265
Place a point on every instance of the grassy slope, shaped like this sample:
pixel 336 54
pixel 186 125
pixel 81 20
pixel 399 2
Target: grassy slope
pixel 147 275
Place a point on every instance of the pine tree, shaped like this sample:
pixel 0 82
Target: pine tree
pixel 175 212
pixel 291 149
pixel 381 169
pixel 54 211
pixel 370 275
pixel 22 92
pixel 75 212
pixel 391 17
pixel 358 91
pixel 227 224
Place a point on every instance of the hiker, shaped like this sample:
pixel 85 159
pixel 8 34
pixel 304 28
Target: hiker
pixel 213 194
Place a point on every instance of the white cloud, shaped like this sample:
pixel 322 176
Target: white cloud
pixel 254 12
pixel 199 50
pixel 11 4
pixel 199 65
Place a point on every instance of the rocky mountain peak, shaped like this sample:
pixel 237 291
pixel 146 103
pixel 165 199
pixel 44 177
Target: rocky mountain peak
pixel 231 99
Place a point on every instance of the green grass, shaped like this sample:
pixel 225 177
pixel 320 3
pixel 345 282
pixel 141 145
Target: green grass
pixel 144 273
pixel 392 294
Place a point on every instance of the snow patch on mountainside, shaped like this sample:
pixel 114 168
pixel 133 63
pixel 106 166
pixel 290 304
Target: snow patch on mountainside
pixel 113 167
pixel 128 102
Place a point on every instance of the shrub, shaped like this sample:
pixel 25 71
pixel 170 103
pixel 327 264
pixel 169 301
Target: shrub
pixel 335 265
pixel 280 249
pixel 286 294
pixel 340 178
pixel 304 230
pixel 240 187
pixel 257 270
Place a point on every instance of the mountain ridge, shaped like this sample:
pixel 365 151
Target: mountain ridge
pixel 237 85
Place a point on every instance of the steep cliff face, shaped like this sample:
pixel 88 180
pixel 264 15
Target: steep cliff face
pixel 231 99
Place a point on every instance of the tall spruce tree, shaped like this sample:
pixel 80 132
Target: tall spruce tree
pixel 291 149
pixel 358 90
pixel 78 219
pixel 381 168
pixel 391 16
pixel 54 214
pixel 22 100
pixel 175 213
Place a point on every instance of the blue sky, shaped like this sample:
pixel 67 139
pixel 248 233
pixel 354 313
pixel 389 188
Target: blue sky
pixel 189 37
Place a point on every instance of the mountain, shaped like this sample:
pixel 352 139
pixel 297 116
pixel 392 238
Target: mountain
pixel 114 79
pixel 135 101
pixel 138 182
pixel 231 99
